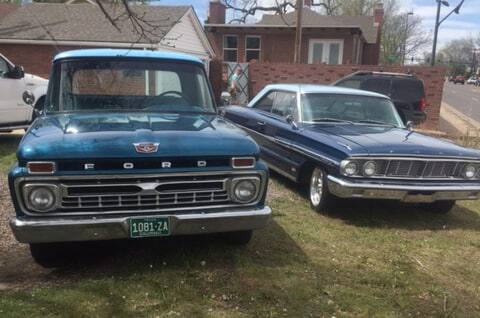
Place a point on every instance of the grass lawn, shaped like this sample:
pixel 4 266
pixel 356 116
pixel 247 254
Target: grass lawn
pixel 365 259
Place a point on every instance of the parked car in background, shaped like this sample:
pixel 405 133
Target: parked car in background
pixel 472 81
pixel 15 113
pixel 459 80
pixel 406 91
pixel 348 143
pixel 129 145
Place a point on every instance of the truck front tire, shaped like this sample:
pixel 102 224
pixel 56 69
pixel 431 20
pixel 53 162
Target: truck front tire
pixel 49 255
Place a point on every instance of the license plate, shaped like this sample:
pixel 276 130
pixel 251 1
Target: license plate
pixel 147 227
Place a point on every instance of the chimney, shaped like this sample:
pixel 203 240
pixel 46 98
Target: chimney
pixel 378 13
pixel 216 12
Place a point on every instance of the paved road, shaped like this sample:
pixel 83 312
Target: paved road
pixel 464 98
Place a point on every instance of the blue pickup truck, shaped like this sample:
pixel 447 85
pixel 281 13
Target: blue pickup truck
pixel 129 145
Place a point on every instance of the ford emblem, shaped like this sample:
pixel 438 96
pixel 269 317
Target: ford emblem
pixel 146 147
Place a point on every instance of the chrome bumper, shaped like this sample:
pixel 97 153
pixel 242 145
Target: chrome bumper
pixel 407 193
pixel 44 230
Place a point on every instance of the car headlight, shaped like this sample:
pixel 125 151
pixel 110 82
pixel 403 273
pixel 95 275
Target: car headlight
pixel 470 171
pixel 41 198
pixel 349 168
pixel 244 190
pixel 369 168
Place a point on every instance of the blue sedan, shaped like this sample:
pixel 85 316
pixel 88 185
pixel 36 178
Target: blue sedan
pixel 347 143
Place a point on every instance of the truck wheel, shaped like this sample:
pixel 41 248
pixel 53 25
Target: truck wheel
pixel 439 207
pixel 321 200
pixel 239 237
pixel 49 255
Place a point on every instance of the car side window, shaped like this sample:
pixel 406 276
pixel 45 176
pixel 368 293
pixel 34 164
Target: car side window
pixel 350 83
pixel 285 104
pixel 377 85
pixel 3 67
pixel 266 102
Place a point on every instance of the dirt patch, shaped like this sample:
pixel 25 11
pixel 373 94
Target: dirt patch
pixel 17 269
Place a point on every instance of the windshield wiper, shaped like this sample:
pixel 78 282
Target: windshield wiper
pixel 375 122
pixel 331 120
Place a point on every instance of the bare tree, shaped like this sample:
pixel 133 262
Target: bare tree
pixel 400 39
pixel 149 30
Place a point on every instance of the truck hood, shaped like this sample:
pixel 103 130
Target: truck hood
pixel 113 135
pixel 387 141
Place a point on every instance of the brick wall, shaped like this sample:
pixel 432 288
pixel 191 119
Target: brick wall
pixel 261 74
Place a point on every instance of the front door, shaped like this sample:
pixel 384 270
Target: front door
pixel 325 51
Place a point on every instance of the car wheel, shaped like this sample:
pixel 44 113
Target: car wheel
pixel 49 255
pixel 321 200
pixel 239 237
pixel 439 207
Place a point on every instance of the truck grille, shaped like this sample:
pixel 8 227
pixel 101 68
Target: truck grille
pixel 163 193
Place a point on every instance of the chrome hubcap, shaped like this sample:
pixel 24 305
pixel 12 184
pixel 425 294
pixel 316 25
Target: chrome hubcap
pixel 316 187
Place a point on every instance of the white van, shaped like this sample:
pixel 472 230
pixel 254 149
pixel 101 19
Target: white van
pixel 15 113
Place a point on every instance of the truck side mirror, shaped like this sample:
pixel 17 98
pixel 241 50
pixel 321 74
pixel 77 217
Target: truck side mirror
pixel 226 98
pixel 28 98
pixel 16 72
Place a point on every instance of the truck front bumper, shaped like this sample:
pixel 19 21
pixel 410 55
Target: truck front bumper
pixel 414 192
pixel 57 229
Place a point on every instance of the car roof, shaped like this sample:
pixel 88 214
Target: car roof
pixel 322 89
pixel 122 53
pixel 389 74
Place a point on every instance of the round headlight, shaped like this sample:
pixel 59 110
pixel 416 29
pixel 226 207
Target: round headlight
pixel 350 168
pixel 244 191
pixel 369 168
pixel 42 199
pixel 470 171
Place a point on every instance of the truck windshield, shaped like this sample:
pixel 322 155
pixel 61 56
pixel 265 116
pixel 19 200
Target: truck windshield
pixel 119 85
pixel 349 108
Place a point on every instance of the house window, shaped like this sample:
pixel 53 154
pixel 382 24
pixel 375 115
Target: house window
pixel 325 51
pixel 230 48
pixel 252 48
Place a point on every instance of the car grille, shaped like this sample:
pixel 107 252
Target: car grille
pixel 420 168
pixel 147 194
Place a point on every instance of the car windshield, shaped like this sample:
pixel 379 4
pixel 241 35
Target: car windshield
pixel 340 108
pixel 129 85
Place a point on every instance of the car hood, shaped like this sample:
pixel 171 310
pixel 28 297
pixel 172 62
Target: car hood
pixel 35 80
pixel 75 136
pixel 380 140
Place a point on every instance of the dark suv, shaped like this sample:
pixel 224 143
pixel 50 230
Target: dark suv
pixel 406 91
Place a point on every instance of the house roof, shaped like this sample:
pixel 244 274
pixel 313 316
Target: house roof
pixel 86 22
pixel 136 54
pixel 313 19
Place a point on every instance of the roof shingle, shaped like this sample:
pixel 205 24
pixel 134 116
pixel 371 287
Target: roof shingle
pixel 86 22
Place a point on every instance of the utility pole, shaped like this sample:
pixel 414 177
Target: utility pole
pixel 438 22
pixel 406 37
pixel 298 35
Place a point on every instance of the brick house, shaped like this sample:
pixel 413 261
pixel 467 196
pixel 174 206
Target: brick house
pixel 30 35
pixel 325 39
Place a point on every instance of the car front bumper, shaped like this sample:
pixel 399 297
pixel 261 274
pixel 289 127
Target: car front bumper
pixel 415 193
pixel 56 229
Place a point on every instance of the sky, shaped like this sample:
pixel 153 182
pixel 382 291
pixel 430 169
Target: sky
pixel 467 23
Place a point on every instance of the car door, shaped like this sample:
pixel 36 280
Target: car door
pixel 282 135
pixel 253 119
pixel 12 108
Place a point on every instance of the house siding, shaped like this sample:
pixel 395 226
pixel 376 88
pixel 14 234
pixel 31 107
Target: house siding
pixel 185 37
